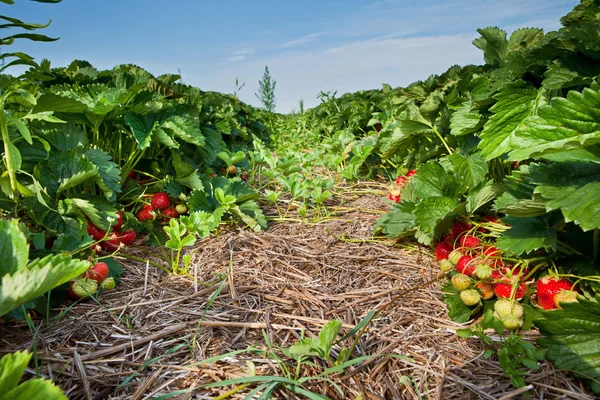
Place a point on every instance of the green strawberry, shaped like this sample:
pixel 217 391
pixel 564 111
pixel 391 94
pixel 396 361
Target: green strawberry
pixel 446 265
pixel 470 297
pixel 461 282
pixel 511 322
pixel 483 271
pixel 82 288
pixel 455 255
pixel 109 283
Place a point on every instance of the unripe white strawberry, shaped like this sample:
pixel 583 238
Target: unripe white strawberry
pixel 446 265
pixel 470 297
pixel 461 282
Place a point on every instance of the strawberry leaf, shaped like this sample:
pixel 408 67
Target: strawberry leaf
pixel 560 126
pixel 13 247
pixel 527 235
pixel 572 339
pixel 573 188
pixel 397 221
pixel 433 180
pixel 40 276
pixel 515 103
pixel 109 174
pixel 430 211
pixel 471 169
pixel 464 120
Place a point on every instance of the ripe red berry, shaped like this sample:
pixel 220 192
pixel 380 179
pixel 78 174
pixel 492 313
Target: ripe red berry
pixel 119 223
pixel 169 213
pixel 470 242
pixel 160 201
pixel 412 172
pixel 128 237
pixel 394 198
pixel 442 250
pixel 99 272
pixel 146 214
pixel 460 227
pixel 465 266
pixel 547 287
pixel 401 181
pixel 112 242
pixel 97 233
pixel 504 290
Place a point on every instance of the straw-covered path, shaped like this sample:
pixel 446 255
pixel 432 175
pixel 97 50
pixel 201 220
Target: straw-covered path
pixel 156 334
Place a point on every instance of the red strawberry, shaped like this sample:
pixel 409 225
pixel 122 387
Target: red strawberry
pixel 504 290
pixel 401 181
pixel 470 242
pixel 119 224
pixel 146 214
pixel 132 175
pixel 465 266
pixel 160 201
pixel 450 239
pixel 442 250
pixel 491 251
pixel 99 272
pixel 547 287
pixel 394 198
pixel 97 233
pixel 128 237
pixel 169 213
pixel 459 227
pixel 378 127
pixel 412 172
pixel 112 242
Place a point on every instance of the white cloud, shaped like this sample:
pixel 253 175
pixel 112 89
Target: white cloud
pixel 359 65
pixel 303 40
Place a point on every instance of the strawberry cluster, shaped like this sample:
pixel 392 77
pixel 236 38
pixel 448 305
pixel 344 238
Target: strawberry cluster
pixel 111 240
pixel 160 206
pixel 480 273
pixel 94 278
pixel 395 189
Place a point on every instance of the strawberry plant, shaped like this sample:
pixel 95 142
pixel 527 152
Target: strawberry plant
pixel 13 368
pixel 25 280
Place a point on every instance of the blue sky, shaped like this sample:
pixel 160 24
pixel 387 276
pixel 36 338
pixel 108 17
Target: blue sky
pixel 309 45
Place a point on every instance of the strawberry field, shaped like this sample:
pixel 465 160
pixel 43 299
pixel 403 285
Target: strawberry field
pixel 434 241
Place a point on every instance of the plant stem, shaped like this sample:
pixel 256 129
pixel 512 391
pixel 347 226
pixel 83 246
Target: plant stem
pixel 442 139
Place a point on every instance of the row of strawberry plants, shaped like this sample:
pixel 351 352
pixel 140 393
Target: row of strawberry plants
pixel 509 149
pixel 85 149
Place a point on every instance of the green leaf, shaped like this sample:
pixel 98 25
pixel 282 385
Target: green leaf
pixel 527 235
pixel 430 211
pixel 109 174
pixel 514 104
pixel 464 120
pixel 185 128
pixel 403 131
pixel 36 389
pixel 185 174
pixel 40 276
pixel 142 127
pixel 12 368
pixel 14 249
pixel 433 180
pixel 397 221
pixel 572 339
pixel 56 103
pixel 482 194
pixel 573 188
pixel 471 169
pixel 493 43
pixel 328 334
pixel 562 125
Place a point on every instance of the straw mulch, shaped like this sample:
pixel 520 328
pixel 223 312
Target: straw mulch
pixel 293 278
